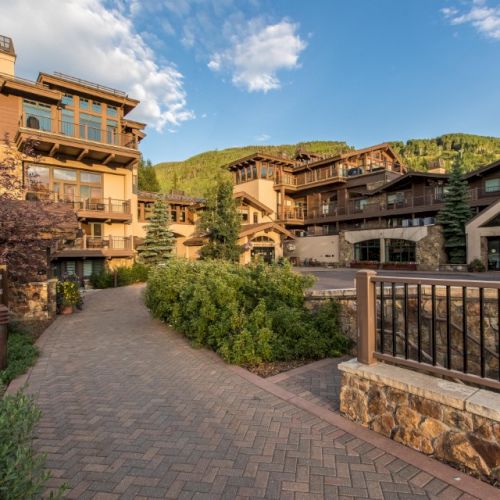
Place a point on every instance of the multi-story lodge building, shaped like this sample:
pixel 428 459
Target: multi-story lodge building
pixel 361 209
pixel 84 151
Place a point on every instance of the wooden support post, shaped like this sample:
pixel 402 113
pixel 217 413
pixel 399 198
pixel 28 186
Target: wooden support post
pixel 366 315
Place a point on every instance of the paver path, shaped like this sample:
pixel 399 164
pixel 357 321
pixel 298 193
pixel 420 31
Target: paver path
pixel 130 410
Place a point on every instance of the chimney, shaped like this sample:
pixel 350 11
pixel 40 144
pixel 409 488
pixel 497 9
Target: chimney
pixel 7 56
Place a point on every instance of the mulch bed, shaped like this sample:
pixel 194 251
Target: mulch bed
pixel 273 368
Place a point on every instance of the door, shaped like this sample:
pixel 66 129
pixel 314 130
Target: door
pixel 494 253
pixel 265 253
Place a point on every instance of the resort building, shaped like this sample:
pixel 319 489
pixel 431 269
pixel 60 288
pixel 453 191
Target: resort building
pixel 74 144
pixel 362 208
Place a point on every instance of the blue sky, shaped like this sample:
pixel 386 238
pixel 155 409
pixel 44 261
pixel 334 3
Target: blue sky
pixel 219 73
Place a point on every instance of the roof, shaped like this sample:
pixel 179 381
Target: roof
pixel 406 177
pixel 348 154
pixel 262 156
pixel 253 201
pixel 249 229
pixel 195 241
pixel 483 170
pixel 170 198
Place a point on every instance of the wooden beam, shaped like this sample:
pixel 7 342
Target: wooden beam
pixel 110 157
pixel 54 149
pixel 83 153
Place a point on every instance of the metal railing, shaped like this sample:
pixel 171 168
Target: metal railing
pixel 295 213
pixel 77 130
pixel 108 205
pixel 445 327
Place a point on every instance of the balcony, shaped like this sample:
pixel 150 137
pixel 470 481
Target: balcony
pixel 105 209
pixel 311 178
pixel 98 246
pixel 291 215
pixel 77 141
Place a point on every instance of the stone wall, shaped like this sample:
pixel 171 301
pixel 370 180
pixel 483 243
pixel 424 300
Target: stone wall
pixel 33 301
pixel 430 250
pixel 451 422
pixel 346 250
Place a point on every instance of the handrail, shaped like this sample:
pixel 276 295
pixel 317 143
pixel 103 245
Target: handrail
pixel 405 325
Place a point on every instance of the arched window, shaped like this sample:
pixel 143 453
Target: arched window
pixel 400 250
pixel 368 250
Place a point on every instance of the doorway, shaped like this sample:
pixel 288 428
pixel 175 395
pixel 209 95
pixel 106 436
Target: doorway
pixel 494 253
pixel 265 253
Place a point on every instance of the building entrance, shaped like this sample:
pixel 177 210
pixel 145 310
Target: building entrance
pixel 265 253
pixel 494 253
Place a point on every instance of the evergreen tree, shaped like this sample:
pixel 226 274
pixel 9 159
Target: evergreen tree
pixel 147 180
pixel 455 214
pixel 159 243
pixel 222 222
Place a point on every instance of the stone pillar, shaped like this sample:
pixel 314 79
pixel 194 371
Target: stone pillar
pixel 382 250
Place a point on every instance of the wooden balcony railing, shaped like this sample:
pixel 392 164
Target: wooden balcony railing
pixel 77 130
pixel 103 242
pixel 295 213
pixel 108 205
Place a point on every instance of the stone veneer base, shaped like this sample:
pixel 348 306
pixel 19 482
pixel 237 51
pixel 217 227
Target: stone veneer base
pixel 449 421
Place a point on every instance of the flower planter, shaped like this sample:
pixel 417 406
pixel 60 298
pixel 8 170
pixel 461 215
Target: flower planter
pixel 67 310
pixel 364 264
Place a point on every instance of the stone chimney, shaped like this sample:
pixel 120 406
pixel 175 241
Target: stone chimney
pixel 7 56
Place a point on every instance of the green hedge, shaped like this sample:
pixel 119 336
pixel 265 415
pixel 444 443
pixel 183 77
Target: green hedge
pixel 21 470
pixel 126 275
pixel 246 314
pixel 21 354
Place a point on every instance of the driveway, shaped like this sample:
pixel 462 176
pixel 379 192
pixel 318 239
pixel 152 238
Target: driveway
pixel 330 279
pixel 130 410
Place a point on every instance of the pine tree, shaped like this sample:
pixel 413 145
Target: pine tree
pixel 222 222
pixel 455 214
pixel 159 243
pixel 147 180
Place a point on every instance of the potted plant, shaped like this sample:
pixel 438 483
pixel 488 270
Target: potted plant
pixel 68 296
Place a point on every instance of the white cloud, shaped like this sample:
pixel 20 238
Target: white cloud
pixel 88 40
pixel 263 138
pixel 485 19
pixel 255 56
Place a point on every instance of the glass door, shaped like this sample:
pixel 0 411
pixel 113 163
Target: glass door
pixel 494 253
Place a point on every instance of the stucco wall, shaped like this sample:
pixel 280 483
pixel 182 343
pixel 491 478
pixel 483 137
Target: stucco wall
pixel 324 249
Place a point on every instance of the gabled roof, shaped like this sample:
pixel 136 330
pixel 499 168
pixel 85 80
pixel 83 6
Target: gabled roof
pixel 483 170
pixel 406 177
pixel 249 229
pixel 253 201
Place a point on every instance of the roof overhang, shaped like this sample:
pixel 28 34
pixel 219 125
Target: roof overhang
pixel 265 226
pixel 241 195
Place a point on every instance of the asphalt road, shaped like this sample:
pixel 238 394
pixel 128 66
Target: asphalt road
pixel 329 279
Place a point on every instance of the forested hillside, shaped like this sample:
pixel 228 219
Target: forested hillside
pixel 197 175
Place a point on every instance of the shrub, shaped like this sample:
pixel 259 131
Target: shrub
pixel 68 293
pixel 477 266
pixel 125 275
pixel 21 354
pixel 21 471
pixel 246 314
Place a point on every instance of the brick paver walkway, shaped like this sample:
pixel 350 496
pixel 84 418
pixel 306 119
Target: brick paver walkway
pixel 130 410
pixel 318 382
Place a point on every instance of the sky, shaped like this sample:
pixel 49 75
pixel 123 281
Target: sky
pixel 213 74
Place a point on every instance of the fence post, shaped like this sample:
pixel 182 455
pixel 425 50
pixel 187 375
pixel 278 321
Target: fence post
pixel 366 315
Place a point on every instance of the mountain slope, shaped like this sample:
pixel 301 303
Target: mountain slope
pixel 198 174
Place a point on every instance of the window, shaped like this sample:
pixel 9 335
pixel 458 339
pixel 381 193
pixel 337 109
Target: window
pixel 255 218
pixel 64 174
pixel 90 177
pixel 360 204
pixel 112 110
pixel 244 216
pixel 67 123
pixel 92 266
pixel 84 103
pixel 67 100
pixel 38 178
pixel 400 250
pixel 492 185
pixel 254 172
pixel 368 250
pixel 96 107
pixel 90 127
pixel 111 131
pixel 263 170
pixel 395 199
pixel 37 115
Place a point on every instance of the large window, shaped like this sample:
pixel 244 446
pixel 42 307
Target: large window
pixel 37 115
pixel 492 185
pixel 368 250
pixel 90 127
pixel 400 250
pixel 68 184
